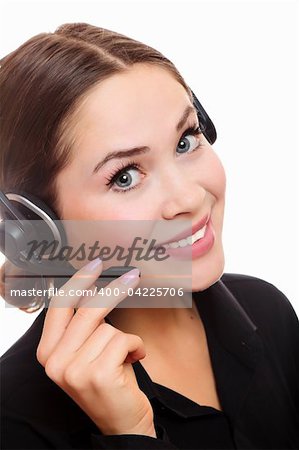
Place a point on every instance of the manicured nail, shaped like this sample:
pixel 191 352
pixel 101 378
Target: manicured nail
pixel 94 264
pixel 130 277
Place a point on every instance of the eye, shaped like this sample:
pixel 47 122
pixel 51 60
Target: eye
pixel 189 140
pixel 124 176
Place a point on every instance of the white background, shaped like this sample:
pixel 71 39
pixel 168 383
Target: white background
pixel 241 60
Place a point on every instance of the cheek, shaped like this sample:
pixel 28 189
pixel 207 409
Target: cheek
pixel 211 174
pixel 122 208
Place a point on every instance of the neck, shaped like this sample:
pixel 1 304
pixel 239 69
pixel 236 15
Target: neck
pixel 154 324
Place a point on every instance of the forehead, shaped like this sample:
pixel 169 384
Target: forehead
pixel 142 96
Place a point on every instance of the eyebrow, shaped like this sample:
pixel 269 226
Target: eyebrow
pixel 140 150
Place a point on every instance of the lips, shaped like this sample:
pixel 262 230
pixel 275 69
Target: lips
pixel 184 234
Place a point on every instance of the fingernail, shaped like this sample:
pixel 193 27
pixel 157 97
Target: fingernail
pixel 94 264
pixel 130 277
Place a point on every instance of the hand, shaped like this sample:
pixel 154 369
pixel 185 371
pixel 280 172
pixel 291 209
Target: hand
pixel 91 360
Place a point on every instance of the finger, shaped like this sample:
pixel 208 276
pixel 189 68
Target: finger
pixel 87 319
pixel 95 343
pixel 118 349
pixel 57 317
pixel 82 280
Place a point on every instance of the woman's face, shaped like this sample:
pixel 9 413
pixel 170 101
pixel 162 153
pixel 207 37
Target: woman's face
pixel 142 108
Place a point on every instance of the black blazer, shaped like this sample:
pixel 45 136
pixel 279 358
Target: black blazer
pixel 253 338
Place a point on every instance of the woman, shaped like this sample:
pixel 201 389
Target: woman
pixel 221 374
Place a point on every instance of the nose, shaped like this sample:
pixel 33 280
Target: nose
pixel 181 194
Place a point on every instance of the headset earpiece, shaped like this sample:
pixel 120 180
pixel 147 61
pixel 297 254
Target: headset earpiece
pixel 205 122
pixel 26 218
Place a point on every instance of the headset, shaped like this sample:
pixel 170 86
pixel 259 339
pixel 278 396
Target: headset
pixel 25 217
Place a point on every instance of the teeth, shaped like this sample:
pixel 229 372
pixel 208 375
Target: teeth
pixel 189 240
pixel 172 245
pixel 183 243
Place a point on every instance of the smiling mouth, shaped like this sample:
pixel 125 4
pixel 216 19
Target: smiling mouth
pixel 190 240
pixel 184 239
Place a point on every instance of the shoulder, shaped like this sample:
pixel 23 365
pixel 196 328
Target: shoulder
pixel 23 378
pixel 259 296
pixel 268 307
pixel 32 405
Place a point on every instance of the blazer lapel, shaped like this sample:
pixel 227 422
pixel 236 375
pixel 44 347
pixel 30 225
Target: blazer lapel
pixel 235 347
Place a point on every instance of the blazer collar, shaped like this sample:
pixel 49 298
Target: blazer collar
pixel 223 315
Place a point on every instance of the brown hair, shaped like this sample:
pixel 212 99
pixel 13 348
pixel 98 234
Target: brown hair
pixel 41 85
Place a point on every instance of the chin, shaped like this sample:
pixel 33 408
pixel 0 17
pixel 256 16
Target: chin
pixel 207 270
